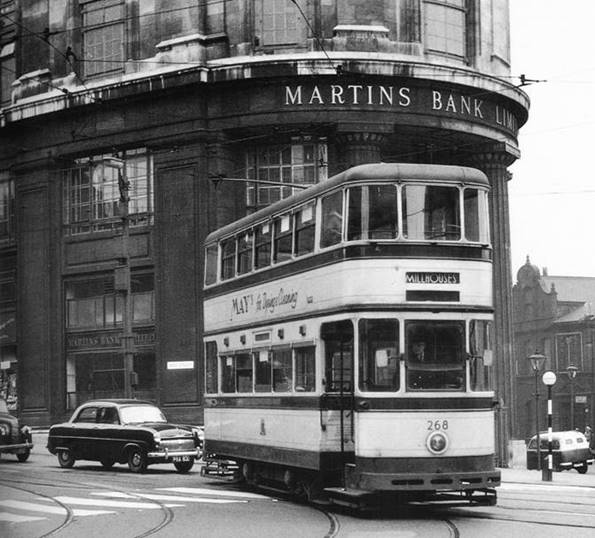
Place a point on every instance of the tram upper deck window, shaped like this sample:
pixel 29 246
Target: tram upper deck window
pixel 211 255
pixel 228 258
pixel 282 239
pixel 332 219
pixel 481 355
pixel 378 355
pixel 372 212
pixel 262 246
pixel 476 215
pixel 305 225
pixel 245 244
pixel 431 213
pixel 435 355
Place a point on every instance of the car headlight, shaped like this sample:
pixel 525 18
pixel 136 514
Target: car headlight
pixel 156 438
pixel 25 430
pixel 4 429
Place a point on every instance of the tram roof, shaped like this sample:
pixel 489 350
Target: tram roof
pixel 365 172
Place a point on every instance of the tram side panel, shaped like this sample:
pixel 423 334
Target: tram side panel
pixel 303 438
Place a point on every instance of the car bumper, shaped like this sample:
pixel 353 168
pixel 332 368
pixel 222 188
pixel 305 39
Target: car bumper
pixel 16 448
pixel 170 455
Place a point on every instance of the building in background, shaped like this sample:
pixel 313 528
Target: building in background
pixel 554 316
pixel 178 99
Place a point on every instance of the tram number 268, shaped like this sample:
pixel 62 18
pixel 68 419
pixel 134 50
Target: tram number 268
pixel 435 425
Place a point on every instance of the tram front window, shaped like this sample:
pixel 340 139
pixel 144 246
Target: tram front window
pixel 431 213
pixel 378 355
pixel 372 212
pixel 435 352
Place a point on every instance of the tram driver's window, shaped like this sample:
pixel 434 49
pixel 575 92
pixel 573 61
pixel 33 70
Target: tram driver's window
pixel 305 369
pixel 332 220
pixel 338 355
pixel 378 355
pixel 435 355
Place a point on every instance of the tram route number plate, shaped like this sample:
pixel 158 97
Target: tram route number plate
pixel 181 458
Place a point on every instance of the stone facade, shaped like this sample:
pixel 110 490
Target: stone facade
pixel 214 91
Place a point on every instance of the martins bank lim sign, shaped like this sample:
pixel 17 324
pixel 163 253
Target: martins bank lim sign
pixel 477 106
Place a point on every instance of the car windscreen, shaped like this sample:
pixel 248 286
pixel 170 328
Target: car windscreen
pixel 135 414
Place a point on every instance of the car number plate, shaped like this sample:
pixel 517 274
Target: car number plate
pixel 181 458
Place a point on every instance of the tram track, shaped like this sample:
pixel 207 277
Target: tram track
pixel 168 513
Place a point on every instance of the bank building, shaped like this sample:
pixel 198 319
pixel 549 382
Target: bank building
pixel 185 100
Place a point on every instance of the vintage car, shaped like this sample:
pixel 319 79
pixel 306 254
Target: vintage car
pixel 570 450
pixel 14 439
pixel 124 431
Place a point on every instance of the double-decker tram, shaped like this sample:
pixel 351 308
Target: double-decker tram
pixel 348 338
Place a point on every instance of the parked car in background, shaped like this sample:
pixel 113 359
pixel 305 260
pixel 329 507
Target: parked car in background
pixel 14 438
pixel 570 450
pixel 124 431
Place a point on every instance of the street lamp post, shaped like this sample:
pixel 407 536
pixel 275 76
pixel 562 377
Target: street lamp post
pixel 549 378
pixel 536 360
pixel 572 371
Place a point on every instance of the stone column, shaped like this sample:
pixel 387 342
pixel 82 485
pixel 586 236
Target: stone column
pixel 358 148
pixel 493 161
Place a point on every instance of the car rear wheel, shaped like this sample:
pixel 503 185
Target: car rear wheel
pixel 183 466
pixel 137 460
pixel 24 456
pixel 65 459
pixel 582 469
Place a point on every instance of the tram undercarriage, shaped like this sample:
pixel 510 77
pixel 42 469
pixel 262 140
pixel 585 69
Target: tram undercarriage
pixel 337 488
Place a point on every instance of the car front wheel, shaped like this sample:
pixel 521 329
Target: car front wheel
pixel 137 460
pixel 65 459
pixel 23 456
pixel 183 466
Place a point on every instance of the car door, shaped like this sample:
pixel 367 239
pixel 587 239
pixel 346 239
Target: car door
pixel 109 434
pixel 84 433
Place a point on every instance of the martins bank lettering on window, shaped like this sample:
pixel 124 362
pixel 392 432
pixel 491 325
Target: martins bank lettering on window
pixel 452 103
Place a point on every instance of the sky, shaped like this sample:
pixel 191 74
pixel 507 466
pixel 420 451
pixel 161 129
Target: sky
pixel 552 191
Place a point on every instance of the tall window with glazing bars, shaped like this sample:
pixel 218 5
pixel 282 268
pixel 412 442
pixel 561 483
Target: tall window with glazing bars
pixel 92 193
pixel 301 162
pixel 7 221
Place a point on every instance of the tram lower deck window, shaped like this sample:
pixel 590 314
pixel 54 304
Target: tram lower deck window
pixel 435 355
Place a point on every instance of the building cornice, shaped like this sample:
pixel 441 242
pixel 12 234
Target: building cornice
pixel 69 93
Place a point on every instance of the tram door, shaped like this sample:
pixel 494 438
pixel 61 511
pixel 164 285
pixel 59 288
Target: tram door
pixel 338 379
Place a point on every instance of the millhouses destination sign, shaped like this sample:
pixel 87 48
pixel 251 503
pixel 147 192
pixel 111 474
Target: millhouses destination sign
pixel 432 278
pixel 478 106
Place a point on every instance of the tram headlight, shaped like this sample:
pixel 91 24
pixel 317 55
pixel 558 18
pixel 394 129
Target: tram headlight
pixel 437 442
